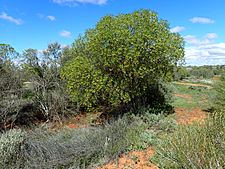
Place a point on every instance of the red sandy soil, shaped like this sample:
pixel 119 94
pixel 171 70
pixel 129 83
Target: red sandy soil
pixel 74 126
pixel 216 78
pixel 186 116
pixel 82 120
pixel 78 121
pixel 185 96
pixel 133 160
pixel 193 84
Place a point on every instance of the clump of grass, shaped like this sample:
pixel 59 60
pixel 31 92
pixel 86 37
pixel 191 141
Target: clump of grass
pixel 197 146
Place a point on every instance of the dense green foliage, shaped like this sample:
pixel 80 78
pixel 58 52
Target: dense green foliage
pixel 181 73
pixel 122 60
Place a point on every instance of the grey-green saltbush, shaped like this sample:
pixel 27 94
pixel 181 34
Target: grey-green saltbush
pixel 11 143
pixel 67 148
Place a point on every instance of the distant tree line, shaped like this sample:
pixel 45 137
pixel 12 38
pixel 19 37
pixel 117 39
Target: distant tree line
pixel 199 72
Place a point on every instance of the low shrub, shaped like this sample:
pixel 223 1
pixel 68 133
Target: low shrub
pixel 157 119
pixel 68 148
pixel 153 126
pixel 11 144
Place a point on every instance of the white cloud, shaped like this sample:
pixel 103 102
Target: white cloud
pixel 65 46
pixel 66 34
pixel 9 18
pixel 48 17
pixel 193 40
pixel 41 16
pixel 76 2
pixel 177 29
pixel 204 51
pixel 51 18
pixel 201 20
pixel 211 36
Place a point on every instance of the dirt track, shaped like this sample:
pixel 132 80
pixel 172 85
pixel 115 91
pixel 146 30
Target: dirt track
pixel 193 84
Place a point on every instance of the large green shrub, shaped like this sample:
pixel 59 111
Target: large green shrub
pixel 122 60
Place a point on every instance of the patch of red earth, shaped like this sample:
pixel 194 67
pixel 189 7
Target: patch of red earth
pixel 81 120
pixel 216 78
pixel 74 126
pixel 77 121
pixel 133 160
pixel 184 96
pixel 186 116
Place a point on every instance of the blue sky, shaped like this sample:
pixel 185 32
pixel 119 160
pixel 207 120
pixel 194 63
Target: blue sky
pixel 36 23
